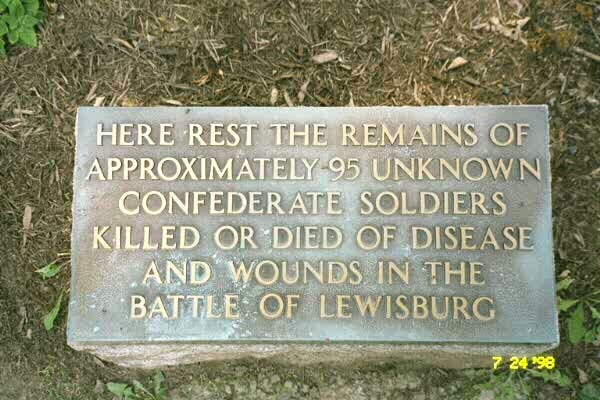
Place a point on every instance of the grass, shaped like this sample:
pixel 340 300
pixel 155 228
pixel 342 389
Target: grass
pixel 228 53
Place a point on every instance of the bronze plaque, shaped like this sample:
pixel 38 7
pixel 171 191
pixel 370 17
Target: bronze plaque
pixel 309 225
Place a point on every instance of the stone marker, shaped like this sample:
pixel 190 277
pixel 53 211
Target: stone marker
pixel 312 234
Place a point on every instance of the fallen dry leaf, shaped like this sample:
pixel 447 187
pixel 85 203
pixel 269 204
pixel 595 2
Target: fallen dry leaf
pixel 586 12
pixel 303 92
pixel 127 102
pixel 564 274
pixel 457 63
pixel 169 25
pixel 27 225
pixel 52 7
pixel 122 42
pixel 27 215
pixel 172 102
pixel 513 29
pixel 274 96
pixel 288 99
pixel 92 92
pixel 203 79
pixel 325 57
pixel 99 100
pixel 583 376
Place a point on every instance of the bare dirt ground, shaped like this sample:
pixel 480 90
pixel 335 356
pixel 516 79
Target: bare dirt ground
pixel 230 53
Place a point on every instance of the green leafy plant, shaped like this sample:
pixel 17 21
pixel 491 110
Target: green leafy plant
pixel 18 19
pixel 137 391
pixel 49 270
pixel 51 316
pixel 506 386
pixel 589 392
pixel 516 385
pixel 578 327
pixel 124 391
pixel 554 376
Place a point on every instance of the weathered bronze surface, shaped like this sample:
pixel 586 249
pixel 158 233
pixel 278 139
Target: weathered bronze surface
pixel 505 295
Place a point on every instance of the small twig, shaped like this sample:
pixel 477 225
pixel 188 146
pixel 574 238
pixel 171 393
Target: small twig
pixel 586 53
pixel 499 10
pixel 542 87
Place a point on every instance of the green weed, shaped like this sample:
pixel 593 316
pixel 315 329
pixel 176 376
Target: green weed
pixel 578 327
pixel 517 385
pixel 137 391
pixel 51 316
pixel 18 19
pixel 589 392
pixel 49 270
pixel 506 386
